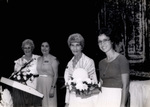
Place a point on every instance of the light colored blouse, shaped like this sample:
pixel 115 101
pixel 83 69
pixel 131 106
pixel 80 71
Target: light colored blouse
pixel 84 62
pixel 19 63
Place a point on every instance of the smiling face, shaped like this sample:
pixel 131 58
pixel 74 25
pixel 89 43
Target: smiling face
pixel 45 48
pixel 104 43
pixel 27 49
pixel 76 48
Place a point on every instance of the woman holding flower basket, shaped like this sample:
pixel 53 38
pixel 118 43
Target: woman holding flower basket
pixel 80 75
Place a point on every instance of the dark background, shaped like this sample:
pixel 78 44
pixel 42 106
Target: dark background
pixel 52 20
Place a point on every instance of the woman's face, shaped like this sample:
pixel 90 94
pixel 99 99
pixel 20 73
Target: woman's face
pixel 27 49
pixel 45 48
pixel 104 43
pixel 76 48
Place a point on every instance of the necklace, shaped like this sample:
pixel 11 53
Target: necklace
pixel 104 73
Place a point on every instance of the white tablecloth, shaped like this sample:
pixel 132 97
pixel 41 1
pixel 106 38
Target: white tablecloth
pixel 140 93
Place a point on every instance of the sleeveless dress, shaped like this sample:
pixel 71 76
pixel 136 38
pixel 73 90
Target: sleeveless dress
pixel 44 81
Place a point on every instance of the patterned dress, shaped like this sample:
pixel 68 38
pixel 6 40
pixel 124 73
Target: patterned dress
pixel 21 98
pixel 31 68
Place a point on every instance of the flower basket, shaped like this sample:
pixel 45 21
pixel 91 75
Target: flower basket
pixel 24 76
pixel 82 85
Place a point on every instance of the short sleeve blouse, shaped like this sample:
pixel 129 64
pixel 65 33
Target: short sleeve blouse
pixel 110 72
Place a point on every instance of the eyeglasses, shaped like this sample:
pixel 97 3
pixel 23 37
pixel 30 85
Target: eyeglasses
pixel 27 48
pixel 103 41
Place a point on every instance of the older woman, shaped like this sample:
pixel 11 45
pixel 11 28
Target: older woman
pixel 79 60
pixel 30 58
pixel 25 65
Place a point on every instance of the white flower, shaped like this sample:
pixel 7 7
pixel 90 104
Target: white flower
pixel 25 77
pixel 99 84
pixel 24 73
pixel 6 99
pixel 80 73
pixel 88 80
pixel 81 82
pixel 70 87
pixel 28 72
pixel 14 76
pixel 19 73
pixel 85 87
pixel 78 81
pixel 69 82
pixel 80 86
pixel 18 77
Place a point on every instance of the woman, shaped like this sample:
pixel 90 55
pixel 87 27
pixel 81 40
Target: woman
pixel 79 60
pixel 47 67
pixel 114 72
pixel 27 65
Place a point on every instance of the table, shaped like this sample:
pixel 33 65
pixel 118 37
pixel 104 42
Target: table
pixel 22 95
pixel 140 93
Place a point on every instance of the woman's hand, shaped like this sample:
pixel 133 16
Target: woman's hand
pixel 51 94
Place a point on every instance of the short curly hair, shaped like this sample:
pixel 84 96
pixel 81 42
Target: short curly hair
pixel 28 41
pixel 76 38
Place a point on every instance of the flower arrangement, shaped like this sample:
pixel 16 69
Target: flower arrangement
pixel 24 74
pixel 81 84
pixel 6 99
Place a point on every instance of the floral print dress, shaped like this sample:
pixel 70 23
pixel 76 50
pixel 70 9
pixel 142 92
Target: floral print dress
pixel 30 68
pixel 22 66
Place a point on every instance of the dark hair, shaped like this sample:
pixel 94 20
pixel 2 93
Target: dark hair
pixel 113 34
pixel 106 31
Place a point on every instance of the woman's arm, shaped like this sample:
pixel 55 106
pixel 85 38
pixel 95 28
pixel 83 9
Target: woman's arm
pixel 55 65
pixel 18 64
pixel 125 74
pixel 90 66
pixel 66 77
pixel 125 89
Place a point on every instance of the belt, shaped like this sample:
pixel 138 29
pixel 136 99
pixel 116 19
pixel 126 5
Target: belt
pixel 43 75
